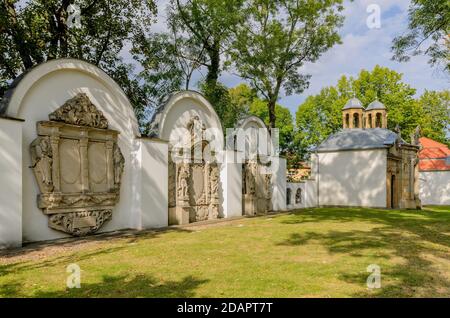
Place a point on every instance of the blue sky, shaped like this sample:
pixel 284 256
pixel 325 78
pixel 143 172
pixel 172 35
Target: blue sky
pixel 361 48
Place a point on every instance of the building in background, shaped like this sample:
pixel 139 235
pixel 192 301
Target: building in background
pixel 434 167
pixel 365 164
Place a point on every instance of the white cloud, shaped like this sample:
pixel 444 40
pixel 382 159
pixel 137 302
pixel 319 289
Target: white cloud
pixel 362 48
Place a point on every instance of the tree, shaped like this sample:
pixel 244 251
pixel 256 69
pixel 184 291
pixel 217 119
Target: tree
pixel 284 122
pixel 208 24
pixel 241 97
pixel 429 26
pixel 278 37
pixel 206 29
pixel 38 30
pixel 321 115
pixel 161 74
pixel 434 119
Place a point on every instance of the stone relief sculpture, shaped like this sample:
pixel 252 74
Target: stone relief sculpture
pixel 78 166
pixel 183 181
pixel 256 188
pixel 197 192
pixel 42 160
pixel 119 164
pixel 81 112
pixel 214 180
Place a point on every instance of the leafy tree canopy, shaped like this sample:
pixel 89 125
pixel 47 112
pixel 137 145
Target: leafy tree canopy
pixel 38 30
pixel 277 38
pixel 321 115
pixel 244 101
pixel 429 27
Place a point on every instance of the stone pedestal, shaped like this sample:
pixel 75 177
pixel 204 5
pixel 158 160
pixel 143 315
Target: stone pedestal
pixel 250 204
pixel 179 214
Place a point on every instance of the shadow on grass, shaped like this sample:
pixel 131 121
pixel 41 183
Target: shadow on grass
pixel 142 285
pixel 130 235
pixel 409 235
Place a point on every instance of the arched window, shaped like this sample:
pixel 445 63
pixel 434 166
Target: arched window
pixel 370 121
pixel 288 196
pixel 378 120
pixel 298 196
pixel 347 120
pixel 356 121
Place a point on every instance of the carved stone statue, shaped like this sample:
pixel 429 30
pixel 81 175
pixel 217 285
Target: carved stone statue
pixel 78 167
pixel 80 111
pixel 42 159
pixel 415 136
pixel 119 164
pixel 214 181
pixel 250 178
pixel 183 181
pixel 268 186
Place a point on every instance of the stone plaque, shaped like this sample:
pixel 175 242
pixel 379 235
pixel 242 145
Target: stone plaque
pixel 78 167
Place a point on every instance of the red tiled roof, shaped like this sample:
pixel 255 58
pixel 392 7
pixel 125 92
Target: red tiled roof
pixel 433 155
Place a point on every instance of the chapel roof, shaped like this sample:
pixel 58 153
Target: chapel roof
pixel 353 103
pixel 356 139
pixel 376 104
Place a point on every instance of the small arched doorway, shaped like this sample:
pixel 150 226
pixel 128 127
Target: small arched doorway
pixel 288 196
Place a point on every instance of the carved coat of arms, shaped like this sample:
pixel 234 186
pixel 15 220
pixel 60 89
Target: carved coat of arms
pixel 78 167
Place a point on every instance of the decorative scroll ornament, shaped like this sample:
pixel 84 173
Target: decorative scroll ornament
pixel 78 166
pixel 80 111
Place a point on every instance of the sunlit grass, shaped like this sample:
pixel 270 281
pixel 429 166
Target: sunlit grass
pixel 307 253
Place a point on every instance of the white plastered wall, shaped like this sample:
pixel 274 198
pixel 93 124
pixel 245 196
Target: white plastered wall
pixel 11 183
pixel 279 184
pixel 435 187
pixel 151 184
pixel 352 178
pixel 310 193
pixel 44 89
pixel 294 187
pixel 231 174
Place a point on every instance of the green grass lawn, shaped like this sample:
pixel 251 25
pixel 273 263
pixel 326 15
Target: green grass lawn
pixel 307 253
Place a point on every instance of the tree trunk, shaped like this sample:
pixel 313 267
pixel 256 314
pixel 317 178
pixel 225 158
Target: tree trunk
pixel 214 67
pixel 271 105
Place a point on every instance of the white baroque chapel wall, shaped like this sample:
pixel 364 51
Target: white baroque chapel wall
pixel 434 187
pixel 11 183
pixel 44 89
pixel 352 178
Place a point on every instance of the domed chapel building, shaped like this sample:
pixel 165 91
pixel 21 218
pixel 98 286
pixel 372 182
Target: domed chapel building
pixel 365 164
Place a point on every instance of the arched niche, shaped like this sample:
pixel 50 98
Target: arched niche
pixel 252 139
pixel 190 125
pixel 41 91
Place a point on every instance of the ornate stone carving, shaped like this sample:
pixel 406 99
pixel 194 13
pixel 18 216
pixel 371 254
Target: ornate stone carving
pixel 80 111
pixel 197 192
pixel 78 167
pixel 183 181
pixel 42 161
pixel 80 223
pixel 256 188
